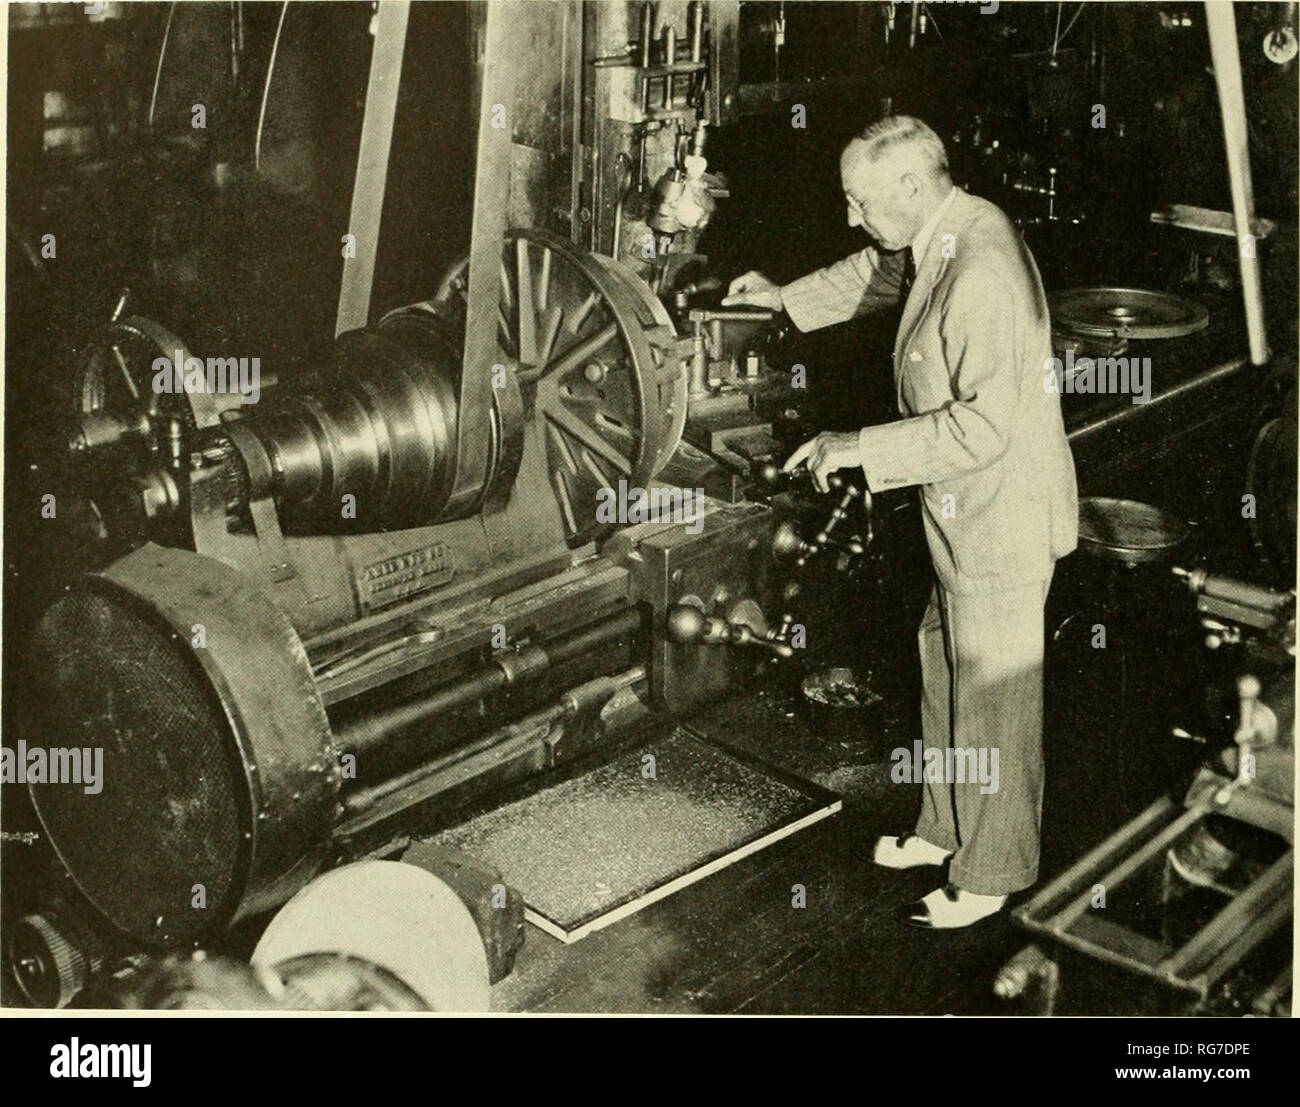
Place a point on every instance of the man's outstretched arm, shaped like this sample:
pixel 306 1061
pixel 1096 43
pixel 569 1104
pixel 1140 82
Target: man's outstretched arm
pixel 860 283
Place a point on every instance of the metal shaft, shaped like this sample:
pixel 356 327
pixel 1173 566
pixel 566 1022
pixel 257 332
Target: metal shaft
pixel 373 730
pixel 525 740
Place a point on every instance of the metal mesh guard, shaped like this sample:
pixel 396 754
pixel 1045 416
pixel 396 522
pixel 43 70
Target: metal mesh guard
pixel 173 803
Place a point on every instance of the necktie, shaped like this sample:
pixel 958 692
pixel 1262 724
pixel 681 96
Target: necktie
pixel 908 279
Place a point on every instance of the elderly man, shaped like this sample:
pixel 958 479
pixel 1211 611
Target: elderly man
pixel 984 440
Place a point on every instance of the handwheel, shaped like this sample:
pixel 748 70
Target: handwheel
pixel 115 378
pixel 130 442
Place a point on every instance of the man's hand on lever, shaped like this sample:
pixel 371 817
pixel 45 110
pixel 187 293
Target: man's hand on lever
pixel 824 455
pixel 754 289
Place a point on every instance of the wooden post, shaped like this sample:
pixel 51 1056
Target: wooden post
pixel 1220 21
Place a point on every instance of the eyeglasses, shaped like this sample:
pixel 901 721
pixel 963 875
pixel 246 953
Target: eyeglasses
pixel 856 206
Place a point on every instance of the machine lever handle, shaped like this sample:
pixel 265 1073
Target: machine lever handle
pixel 688 625
pixel 788 543
pixel 1264 600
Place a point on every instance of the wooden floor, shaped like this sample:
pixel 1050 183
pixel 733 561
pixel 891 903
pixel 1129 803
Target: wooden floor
pixel 735 943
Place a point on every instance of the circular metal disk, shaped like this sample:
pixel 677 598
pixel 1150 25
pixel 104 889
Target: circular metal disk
pixel 47 968
pixel 1271 479
pixel 198 778
pixel 129 422
pixel 394 915
pixel 1128 531
pixel 1139 313
pixel 116 375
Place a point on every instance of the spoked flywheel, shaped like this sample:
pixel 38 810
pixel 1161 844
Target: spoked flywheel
pixel 596 357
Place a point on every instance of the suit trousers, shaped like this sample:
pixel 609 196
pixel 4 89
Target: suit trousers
pixel 982 706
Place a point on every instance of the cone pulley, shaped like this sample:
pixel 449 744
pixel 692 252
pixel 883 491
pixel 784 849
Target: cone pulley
pixel 588 391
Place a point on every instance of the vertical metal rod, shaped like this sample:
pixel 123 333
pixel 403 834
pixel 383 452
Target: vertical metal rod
pixel 372 165
pixel 670 59
pixel 647 31
pixel 597 197
pixel 266 86
pixel 234 45
pixel 695 21
pixel 162 53
pixel 1101 51
pixel 1221 24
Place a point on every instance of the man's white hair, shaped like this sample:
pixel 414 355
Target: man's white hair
pixel 915 146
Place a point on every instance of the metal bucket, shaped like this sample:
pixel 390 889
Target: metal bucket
pixel 844 705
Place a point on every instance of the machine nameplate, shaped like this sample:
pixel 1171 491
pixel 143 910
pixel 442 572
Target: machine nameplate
pixel 395 578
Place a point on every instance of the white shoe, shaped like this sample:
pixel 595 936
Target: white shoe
pixel 908 852
pixel 950 908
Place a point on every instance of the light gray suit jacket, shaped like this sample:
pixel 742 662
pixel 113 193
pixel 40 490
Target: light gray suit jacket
pixel 980 432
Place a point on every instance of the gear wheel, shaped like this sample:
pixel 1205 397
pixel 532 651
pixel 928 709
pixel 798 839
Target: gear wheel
pixel 48 969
